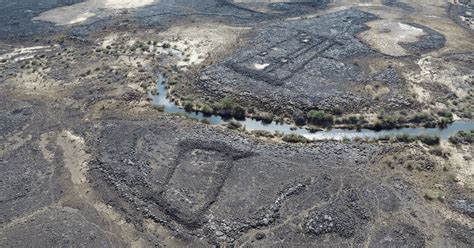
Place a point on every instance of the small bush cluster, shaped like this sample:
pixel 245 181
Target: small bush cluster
pixel 425 138
pixel 462 137
pixel 262 133
pixel 294 138
pixel 227 107
pixel 352 120
pixel 320 118
pixel 265 117
pixel 234 125
pixel 207 110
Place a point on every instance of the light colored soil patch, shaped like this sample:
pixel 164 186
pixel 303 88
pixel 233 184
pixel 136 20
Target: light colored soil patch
pixel 462 162
pixel 23 53
pixel 438 71
pixel 74 156
pixel 386 36
pixel 260 66
pixel 75 160
pixel 43 143
pixel 198 42
pixel 80 12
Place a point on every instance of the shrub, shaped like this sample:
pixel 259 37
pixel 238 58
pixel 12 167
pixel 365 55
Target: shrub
pixel 313 129
pixel 263 133
pixel 353 119
pixel 410 165
pixel 299 119
pixel 160 108
pixel 429 139
pixel 445 113
pixel 205 121
pixel 437 151
pixel 386 122
pixel 404 138
pixel 443 122
pixel 226 103
pixel 320 118
pixel 188 106
pixel 238 111
pixel 384 138
pixel 421 117
pixel 234 124
pixel 294 138
pixel 265 117
pixel 462 137
pixel 207 110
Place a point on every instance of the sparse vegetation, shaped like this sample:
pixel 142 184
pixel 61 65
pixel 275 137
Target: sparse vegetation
pixel 429 139
pixel 320 118
pixel 188 106
pixel 294 138
pixel 207 110
pixel 262 133
pixel 160 108
pixel 438 151
pixel 434 195
pixel 234 124
pixel 227 107
pixel 462 137
pixel 425 138
pixel 265 117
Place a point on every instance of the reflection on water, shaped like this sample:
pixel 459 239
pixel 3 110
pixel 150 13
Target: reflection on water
pixel 338 134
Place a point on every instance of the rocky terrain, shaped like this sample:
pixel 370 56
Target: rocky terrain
pixel 88 160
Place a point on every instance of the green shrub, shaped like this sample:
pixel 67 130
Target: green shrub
pixel 320 118
pixel 404 138
pixel 262 133
pixel 265 117
pixel 234 124
pixel 205 121
pixel 207 110
pixel 462 137
pixel 429 139
pixel 353 119
pixel 384 138
pixel 386 122
pixel 238 111
pixel 188 106
pixel 226 103
pixel 294 138
pixel 445 113
pixel 444 122
pixel 421 117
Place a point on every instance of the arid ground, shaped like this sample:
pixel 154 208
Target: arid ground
pixel 87 159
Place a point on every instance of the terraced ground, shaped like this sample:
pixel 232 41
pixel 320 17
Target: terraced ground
pixel 87 160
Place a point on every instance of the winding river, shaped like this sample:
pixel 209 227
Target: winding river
pixel 335 133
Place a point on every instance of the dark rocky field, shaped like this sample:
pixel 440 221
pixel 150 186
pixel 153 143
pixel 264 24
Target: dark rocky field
pixel 87 160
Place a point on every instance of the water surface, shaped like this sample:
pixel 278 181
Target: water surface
pixel 336 133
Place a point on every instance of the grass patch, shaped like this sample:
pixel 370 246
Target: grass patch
pixel 294 138
pixel 320 118
pixel 263 133
pixel 462 137
pixel 265 117
pixel 234 125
